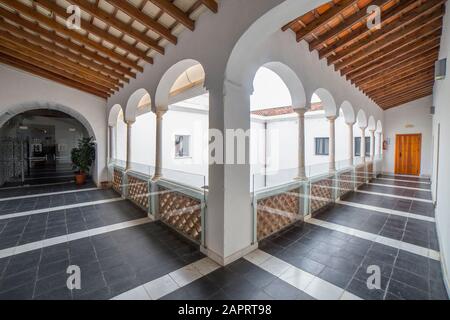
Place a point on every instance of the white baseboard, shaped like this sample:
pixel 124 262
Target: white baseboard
pixel 230 259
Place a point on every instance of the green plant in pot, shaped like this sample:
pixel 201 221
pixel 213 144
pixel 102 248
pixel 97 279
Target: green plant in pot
pixel 82 159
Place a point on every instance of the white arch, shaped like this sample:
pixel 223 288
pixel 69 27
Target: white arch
pixel 292 81
pixel 372 124
pixel 167 81
pixel 361 119
pixel 348 111
pixel 133 104
pixel 379 126
pixel 113 115
pixel 329 105
pixel 18 109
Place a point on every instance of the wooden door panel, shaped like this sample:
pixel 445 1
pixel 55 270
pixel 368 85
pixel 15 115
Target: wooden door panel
pixel 408 154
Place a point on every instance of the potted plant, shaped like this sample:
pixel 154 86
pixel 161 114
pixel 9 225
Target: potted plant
pixel 82 159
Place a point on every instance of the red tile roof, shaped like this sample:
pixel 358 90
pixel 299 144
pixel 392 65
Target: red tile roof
pixel 284 110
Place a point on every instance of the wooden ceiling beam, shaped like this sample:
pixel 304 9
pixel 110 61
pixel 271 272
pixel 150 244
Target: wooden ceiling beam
pixel 144 19
pixel 393 61
pixel 56 77
pixel 407 72
pixel 398 47
pixel 426 59
pixel 28 11
pixel 55 38
pixel 111 21
pixel 348 24
pixel 87 26
pixel 427 69
pixel 388 16
pixel 22 34
pixel 329 15
pixel 17 53
pixel 399 39
pixel 211 5
pixel 175 12
pixel 38 52
pixel 406 25
pixel 400 102
pixel 398 84
pixel 402 87
pixel 406 94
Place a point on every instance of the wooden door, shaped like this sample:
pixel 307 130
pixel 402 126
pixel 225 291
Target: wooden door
pixel 408 154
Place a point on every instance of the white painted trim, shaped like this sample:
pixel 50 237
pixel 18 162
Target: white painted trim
pixel 387 211
pixel 393 196
pixel 425 252
pixel 70 237
pixel 52 209
pixel 162 286
pixel 302 280
pixel 404 175
pixel 48 194
pixel 230 259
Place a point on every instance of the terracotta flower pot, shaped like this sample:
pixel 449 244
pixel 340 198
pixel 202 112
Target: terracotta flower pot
pixel 80 178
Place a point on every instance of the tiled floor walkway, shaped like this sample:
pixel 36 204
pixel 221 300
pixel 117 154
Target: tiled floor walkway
pixel 123 255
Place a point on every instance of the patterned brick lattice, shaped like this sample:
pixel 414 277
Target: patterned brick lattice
pixel 117 181
pixel 138 192
pixel 361 173
pixel 277 212
pixel 181 212
pixel 321 194
pixel 370 170
pixel 345 183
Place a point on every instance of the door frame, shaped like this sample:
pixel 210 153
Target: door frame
pixel 396 150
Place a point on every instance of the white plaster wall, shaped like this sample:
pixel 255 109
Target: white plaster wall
pixel 22 91
pixel 441 172
pixel 410 118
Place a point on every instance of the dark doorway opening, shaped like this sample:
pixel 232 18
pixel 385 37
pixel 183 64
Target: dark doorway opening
pixel 35 147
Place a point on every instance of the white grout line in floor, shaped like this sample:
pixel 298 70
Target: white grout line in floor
pixel 160 287
pixel 36 195
pixel 70 237
pixel 37 185
pixel 398 187
pixel 304 281
pixel 387 211
pixel 393 196
pixel 397 244
pixel 52 209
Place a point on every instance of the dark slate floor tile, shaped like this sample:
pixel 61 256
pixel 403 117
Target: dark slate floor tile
pixel 406 292
pixel 280 290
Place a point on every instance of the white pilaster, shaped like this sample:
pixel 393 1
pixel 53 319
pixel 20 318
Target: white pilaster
pixel 332 143
pixel 159 137
pixel 363 145
pixel 129 143
pixel 372 144
pixel 380 144
pixel 350 143
pixel 301 143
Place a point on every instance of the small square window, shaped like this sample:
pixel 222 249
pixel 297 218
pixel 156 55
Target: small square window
pixel 322 146
pixel 182 146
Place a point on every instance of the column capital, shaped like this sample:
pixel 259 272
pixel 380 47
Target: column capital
pixel 160 113
pixel 332 118
pixel 350 124
pixel 130 122
pixel 301 111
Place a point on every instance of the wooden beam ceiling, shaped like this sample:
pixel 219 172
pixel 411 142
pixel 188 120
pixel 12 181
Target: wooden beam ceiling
pixel 116 39
pixel 391 65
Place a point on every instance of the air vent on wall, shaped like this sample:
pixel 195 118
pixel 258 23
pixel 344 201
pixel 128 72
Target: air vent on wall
pixel 441 69
pixel 432 110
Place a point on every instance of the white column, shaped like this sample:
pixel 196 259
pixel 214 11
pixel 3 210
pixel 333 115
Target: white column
pixel 301 143
pixel 363 145
pixel 332 143
pixel 111 142
pixel 380 144
pixel 129 128
pixel 159 137
pixel 372 144
pixel 350 143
